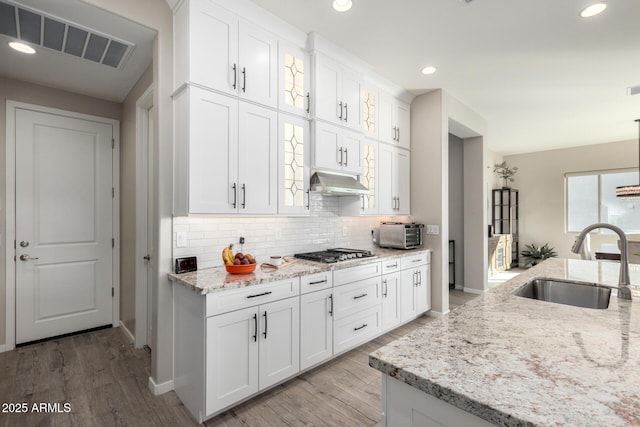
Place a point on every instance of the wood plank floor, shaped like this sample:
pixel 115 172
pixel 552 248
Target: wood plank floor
pixel 104 381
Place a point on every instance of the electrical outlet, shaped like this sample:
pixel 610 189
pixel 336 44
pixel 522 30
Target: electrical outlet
pixel 345 231
pixel 181 239
pixel 241 240
pixel 433 229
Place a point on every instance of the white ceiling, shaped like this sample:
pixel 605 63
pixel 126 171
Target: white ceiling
pixel 63 71
pixel 539 74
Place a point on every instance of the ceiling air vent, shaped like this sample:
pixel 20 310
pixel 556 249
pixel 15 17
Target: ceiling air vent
pixel 35 27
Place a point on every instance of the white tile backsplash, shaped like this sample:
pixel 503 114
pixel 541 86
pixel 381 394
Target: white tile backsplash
pixel 275 235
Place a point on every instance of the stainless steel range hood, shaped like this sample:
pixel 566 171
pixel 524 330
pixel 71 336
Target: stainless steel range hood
pixel 332 184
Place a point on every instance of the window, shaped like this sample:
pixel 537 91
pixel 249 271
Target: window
pixel 591 197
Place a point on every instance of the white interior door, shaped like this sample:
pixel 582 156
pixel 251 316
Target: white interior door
pixel 64 225
pixel 150 252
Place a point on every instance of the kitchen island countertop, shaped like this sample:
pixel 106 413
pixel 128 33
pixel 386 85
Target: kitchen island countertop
pixel 217 279
pixel 520 362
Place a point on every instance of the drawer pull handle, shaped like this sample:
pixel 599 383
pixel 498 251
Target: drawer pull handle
pixel 360 327
pixel 255 327
pixel 259 295
pixel 416 260
pixel 360 296
pixel 392 265
pixel 318 282
pixel 265 325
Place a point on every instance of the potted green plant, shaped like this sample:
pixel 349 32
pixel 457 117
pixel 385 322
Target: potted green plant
pixel 534 254
pixel 505 172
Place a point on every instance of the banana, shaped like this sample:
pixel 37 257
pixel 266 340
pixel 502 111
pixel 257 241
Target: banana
pixel 227 254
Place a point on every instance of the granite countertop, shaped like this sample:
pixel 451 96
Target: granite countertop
pixel 217 279
pixel 519 362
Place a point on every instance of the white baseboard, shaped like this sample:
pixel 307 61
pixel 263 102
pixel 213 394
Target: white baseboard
pixel 3 348
pixel 473 291
pixel 158 389
pixel 433 313
pixel 127 332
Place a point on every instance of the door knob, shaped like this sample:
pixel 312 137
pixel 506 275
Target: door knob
pixel 25 257
pixel 147 257
pixel 24 244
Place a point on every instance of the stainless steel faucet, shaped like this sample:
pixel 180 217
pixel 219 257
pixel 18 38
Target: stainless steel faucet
pixel 624 292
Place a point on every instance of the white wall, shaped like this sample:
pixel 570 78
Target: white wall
pixel 540 179
pixel 432 114
pixel 156 14
pixel 456 205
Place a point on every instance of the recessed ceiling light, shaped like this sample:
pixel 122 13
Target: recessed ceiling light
pixel 21 47
pixel 593 10
pixel 428 70
pixel 342 5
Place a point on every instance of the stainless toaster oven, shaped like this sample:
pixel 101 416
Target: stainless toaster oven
pixel 401 235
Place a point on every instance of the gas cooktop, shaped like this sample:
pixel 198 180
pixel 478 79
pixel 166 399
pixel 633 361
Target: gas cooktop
pixel 335 255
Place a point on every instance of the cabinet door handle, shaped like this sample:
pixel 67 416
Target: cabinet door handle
pixel 346 112
pixel 260 295
pixel 235 76
pixel 340 105
pixel 384 282
pixel 415 278
pixel 420 277
pixel 340 151
pixel 331 305
pixel 244 196
pixel 362 204
pixel 235 194
pixel 360 296
pixel 265 324
pixel 308 199
pixel 346 157
pixel 244 79
pixel 308 102
pixel 360 327
pixel 255 327
pixel 398 135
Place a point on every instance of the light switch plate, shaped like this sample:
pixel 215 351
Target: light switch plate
pixel 433 229
pixel 181 239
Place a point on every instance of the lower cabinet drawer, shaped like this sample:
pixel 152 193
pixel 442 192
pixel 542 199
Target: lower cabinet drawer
pixel 356 296
pixel 356 329
pixel 225 301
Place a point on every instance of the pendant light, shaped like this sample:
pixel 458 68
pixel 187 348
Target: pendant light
pixel 631 191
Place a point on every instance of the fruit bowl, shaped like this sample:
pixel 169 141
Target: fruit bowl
pixel 240 269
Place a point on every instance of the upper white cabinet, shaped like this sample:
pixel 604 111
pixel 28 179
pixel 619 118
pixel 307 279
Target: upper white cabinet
pixel 294 80
pixel 394 118
pixel 370 111
pixel 337 93
pixel 225 155
pixel 337 149
pixel 293 164
pixel 393 180
pixel 215 48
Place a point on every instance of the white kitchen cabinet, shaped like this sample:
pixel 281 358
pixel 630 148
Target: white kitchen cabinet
pixel 316 327
pixel 225 155
pixel 394 187
pixel 232 367
pixel 336 93
pixel 279 341
pixel 394 118
pixel 390 301
pixel 337 149
pixel 357 306
pixel 415 286
pixel 294 80
pixel 293 165
pixel 217 49
pixel 249 350
pixel 370 111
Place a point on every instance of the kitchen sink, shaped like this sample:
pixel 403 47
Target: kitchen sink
pixel 565 292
